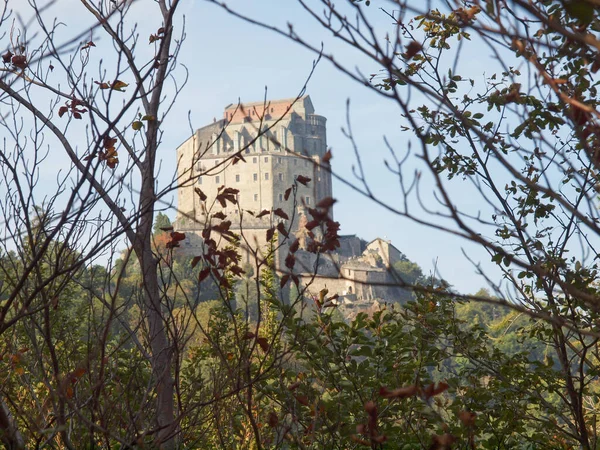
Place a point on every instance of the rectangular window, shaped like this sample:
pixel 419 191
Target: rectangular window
pixel 255 197
pixel 280 197
pixel 199 180
pixel 255 160
pixel 295 161
pixel 307 200
pixel 217 179
pixel 217 162
pixel 266 175
pixel 266 159
pixel 279 160
pixel 280 176
pixel 255 177
pixel 237 178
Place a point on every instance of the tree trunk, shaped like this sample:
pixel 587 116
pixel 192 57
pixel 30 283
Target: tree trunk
pixel 161 352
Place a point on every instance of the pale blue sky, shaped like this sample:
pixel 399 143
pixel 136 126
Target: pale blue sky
pixel 228 59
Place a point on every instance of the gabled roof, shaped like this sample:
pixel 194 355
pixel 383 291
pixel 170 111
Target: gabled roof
pixel 384 241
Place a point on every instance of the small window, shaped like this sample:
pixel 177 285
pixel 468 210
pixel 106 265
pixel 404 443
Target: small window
pixel 255 177
pixel 295 161
pixel 217 161
pixel 280 197
pixel 280 176
pixel 266 175
pixel 279 159
pixel 247 150
pixel 237 178
pixel 217 179
pixel 255 160
pixel 266 159
pixel 307 200
pixel 255 197
pixel 199 180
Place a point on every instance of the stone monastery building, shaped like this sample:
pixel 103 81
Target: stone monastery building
pixel 292 144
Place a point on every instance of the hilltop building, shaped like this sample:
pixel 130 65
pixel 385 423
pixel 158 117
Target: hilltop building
pixel 293 143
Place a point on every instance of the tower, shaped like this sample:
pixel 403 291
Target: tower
pixel 276 142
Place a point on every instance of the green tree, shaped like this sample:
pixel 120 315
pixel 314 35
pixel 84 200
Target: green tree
pixel 161 223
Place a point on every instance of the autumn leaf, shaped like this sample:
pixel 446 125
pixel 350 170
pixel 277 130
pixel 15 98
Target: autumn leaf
pixel 137 125
pixel 295 246
pixel 302 180
pixel 435 389
pixel 283 281
pixel 204 273
pixel 371 408
pixel 467 418
pixel 62 111
pixel 290 261
pixel 294 386
pixel 108 142
pixel 281 213
pixel 263 213
pixel 6 58
pixel 326 203
pixel 295 279
pixel 412 49
pixel 311 225
pixel 263 343
pixel 287 193
pixel 270 234
pixel 196 260
pixel 118 85
pixel 442 442
pixel 302 399
pixel 402 392
pixel 102 85
pixel 176 238
pixel 281 228
pixel 201 194
pixel 19 61
pixel 327 156
pixel 273 420
pixel 88 45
